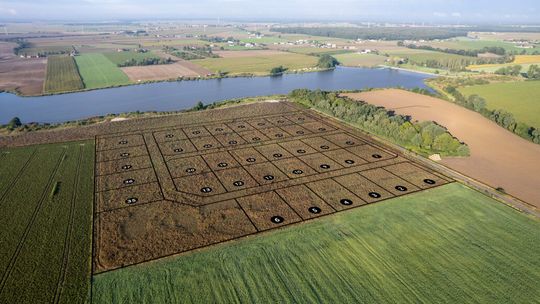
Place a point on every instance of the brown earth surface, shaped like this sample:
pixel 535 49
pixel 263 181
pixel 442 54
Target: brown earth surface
pixel 498 158
pixel 181 68
pixel 17 74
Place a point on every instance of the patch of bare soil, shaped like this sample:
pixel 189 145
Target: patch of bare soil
pixel 498 157
pixel 17 74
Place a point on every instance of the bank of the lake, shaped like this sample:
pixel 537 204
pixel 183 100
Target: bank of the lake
pixel 172 96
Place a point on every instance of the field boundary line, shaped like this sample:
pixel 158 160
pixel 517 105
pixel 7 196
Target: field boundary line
pixel 69 232
pixel 13 259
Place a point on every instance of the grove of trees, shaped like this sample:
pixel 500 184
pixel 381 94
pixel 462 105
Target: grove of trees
pixel 424 137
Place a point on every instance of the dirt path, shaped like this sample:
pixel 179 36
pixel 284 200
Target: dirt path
pixel 498 157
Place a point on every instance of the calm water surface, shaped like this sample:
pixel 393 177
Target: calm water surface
pixel 170 96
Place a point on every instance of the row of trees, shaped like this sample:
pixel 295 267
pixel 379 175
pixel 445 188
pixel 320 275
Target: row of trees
pixel 145 61
pixel 425 137
pixel 501 117
pixel 471 53
pixel 513 70
pixel 382 33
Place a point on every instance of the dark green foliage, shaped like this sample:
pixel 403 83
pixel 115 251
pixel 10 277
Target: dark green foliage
pixel 471 53
pixel 277 70
pixel 327 62
pixel 511 70
pixel 387 33
pixel 145 61
pixel 534 72
pixel 15 122
pixel 424 137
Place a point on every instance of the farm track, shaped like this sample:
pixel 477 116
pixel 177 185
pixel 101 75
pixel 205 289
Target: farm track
pixel 14 181
pixel 69 232
pixel 13 259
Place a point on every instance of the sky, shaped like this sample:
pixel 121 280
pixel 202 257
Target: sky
pixel 432 11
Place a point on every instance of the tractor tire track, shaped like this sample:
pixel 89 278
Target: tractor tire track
pixel 13 259
pixel 69 231
pixel 17 177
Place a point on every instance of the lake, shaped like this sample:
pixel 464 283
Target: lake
pixel 172 96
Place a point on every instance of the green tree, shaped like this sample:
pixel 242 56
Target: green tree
pixel 277 70
pixel 327 62
pixel 15 122
pixel 534 72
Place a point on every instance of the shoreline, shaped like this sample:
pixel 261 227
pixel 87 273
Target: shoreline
pixel 407 70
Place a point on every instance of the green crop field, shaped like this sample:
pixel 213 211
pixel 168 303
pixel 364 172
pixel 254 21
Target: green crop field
pixel 62 75
pixel 519 98
pixel 122 57
pixel 364 60
pixel 420 56
pixel 474 44
pixel 445 245
pixel 98 71
pixel 265 40
pixel 318 51
pixel 258 65
pixel 46 194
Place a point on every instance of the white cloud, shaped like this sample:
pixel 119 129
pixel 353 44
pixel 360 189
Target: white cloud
pixel 456 14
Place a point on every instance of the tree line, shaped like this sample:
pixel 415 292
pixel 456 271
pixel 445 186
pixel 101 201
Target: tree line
pixel 145 61
pixel 425 137
pixel 379 33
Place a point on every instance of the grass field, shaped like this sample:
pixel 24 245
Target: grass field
pixel 258 65
pixel 364 60
pixel 518 98
pixel 473 44
pixel 46 194
pixel 318 51
pixel 524 60
pixel 98 71
pixel 421 56
pixel 62 75
pixel 446 245
pixel 121 57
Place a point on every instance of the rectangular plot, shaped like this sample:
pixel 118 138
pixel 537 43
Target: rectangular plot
pixel 320 162
pixel 205 184
pixel 273 152
pixel 318 127
pixel 122 153
pixel 304 201
pixel 187 166
pixel 267 210
pixel 253 136
pixel 296 130
pixel 276 133
pixel 294 167
pixel 260 123
pixel 344 140
pixel 240 126
pixel 206 143
pixel 320 144
pixel 248 156
pixel 219 129
pixel 345 158
pixel 266 173
pixel 300 118
pixel 389 181
pixel 363 188
pixel 169 135
pixel 279 121
pixel 297 147
pixel 335 194
pixel 230 139
pixel 177 148
pixel 119 142
pixel 416 175
pixel 220 161
pixel 123 165
pixel 125 179
pixel 129 196
pixel 236 179
pixel 370 153
pixel 198 131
